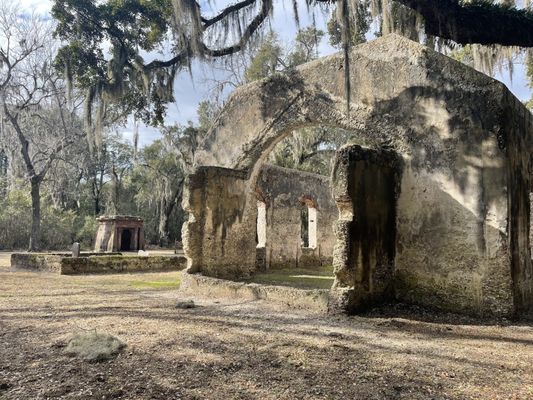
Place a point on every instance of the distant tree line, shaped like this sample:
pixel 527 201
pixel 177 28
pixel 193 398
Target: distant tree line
pixel 57 174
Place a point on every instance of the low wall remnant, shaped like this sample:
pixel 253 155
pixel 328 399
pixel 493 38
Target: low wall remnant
pixel 91 263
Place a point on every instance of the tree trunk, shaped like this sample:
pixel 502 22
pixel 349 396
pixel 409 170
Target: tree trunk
pixel 35 236
pixel 164 218
pixel 96 197
pixel 115 190
pixel 96 206
pixel 165 210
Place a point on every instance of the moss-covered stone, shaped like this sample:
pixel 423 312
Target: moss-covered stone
pixel 63 264
pixel 117 264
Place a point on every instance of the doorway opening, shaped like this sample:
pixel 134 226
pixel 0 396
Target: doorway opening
pixel 125 242
pixel 304 227
pixel 261 236
pixel 295 178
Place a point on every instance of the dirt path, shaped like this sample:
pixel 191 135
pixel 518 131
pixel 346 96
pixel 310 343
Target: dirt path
pixel 4 260
pixel 224 350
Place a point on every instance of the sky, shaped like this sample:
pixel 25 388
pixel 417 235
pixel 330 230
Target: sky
pixel 188 92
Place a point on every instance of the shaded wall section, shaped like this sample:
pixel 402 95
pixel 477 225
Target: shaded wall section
pixel 463 217
pixel 366 187
pixel 286 192
pixel 219 237
pixel 519 180
pixel 452 245
pixel 460 239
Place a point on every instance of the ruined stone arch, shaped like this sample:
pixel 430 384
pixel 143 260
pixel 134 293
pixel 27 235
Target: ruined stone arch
pixel 396 85
pixel 462 139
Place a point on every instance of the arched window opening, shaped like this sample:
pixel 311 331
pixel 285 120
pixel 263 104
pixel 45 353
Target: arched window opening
pixel 312 227
pixel 308 223
pixel 304 227
pixel 261 224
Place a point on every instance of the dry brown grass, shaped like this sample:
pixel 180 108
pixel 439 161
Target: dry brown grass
pixel 241 350
pixel 4 260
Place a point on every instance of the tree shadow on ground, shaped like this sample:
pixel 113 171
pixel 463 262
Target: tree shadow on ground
pixel 420 313
pixel 229 351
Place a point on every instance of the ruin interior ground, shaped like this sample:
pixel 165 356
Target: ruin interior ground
pixel 301 278
pixel 244 350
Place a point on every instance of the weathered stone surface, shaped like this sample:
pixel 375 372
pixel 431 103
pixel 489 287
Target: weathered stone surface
pixel 308 299
pixel 94 346
pixel 402 92
pixel 366 186
pixel 119 264
pixel 187 304
pixel 219 239
pixel 76 249
pixel 224 216
pixel 462 217
pixel 285 193
pixel 37 261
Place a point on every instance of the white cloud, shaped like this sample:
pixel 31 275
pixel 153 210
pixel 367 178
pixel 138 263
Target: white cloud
pixel 37 6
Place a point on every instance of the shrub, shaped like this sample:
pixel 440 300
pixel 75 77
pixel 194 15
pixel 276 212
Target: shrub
pixel 57 226
pixel 15 220
pixel 85 235
pixel 57 229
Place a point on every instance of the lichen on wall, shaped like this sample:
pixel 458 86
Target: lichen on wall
pixel 219 238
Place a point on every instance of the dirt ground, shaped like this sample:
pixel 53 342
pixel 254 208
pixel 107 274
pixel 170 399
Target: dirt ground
pixel 243 350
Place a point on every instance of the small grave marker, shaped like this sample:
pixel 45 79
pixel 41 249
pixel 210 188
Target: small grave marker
pixel 76 249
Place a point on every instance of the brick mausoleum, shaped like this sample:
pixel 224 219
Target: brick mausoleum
pixel 119 233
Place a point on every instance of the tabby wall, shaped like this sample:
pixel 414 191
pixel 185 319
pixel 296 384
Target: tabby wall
pixel 286 192
pixel 221 236
pixel 366 185
pixel 462 216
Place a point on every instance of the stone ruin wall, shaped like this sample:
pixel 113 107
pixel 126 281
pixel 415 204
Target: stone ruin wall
pixel 462 218
pixel 518 141
pixel 286 192
pixel 366 186
pixel 219 237
pixel 452 245
pixel 221 241
pixel 95 263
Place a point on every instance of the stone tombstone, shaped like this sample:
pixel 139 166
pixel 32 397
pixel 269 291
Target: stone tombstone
pixel 75 250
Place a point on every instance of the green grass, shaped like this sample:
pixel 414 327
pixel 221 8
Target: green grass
pixel 174 283
pixel 100 282
pixel 139 284
pixel 319 278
